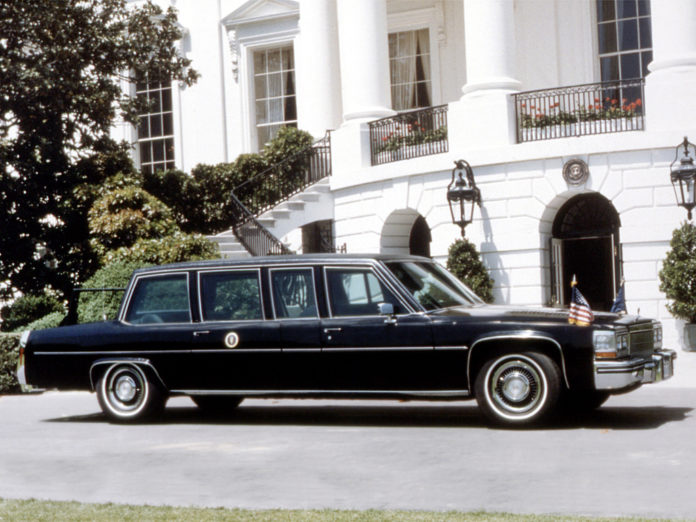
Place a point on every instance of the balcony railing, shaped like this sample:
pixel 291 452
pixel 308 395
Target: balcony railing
pixel 409 135
pixel 580 110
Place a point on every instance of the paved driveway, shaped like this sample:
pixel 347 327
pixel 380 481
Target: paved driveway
pixel 634 456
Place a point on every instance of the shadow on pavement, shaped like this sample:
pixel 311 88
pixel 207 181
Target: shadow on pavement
pixel 403 416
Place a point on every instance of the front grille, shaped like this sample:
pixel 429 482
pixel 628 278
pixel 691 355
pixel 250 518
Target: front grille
pixel 641 339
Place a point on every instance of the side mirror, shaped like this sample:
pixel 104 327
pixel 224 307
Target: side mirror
pixel 388 310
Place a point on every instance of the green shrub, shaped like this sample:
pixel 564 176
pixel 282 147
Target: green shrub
pixel 174 248
pixel 9 352
pixel 26 309
pixel 47 321
pixel 678 274
pixel 464 261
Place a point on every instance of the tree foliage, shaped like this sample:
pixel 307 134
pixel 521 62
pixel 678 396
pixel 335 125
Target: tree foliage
pixel 464 261
pixel 28 308
pixel 61 67
pixel 678 274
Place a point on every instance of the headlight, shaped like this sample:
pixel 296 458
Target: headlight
pixel 609 344
pixel 657 336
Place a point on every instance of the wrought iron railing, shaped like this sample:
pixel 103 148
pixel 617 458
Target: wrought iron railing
pixel 287 178
pixel 580 110
pixel 253 235
pixel 271 187
pixel 409 135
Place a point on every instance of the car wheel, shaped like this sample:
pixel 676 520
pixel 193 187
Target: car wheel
pixel 217 403
pixel 126 394
pixel 518 389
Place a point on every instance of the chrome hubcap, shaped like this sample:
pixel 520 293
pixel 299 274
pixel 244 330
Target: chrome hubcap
pixel 516 386
pixel 126 389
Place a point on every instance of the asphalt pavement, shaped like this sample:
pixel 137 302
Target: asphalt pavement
pixel 634 456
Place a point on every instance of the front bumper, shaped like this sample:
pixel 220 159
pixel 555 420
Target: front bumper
pixel 629 373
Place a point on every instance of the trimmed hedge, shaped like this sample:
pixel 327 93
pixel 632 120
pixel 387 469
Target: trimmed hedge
pixel 9 352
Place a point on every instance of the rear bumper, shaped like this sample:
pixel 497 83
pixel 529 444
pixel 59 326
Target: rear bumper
pixel 622 375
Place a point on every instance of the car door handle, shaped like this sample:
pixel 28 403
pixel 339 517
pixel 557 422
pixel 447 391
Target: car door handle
pixel 201 332
pixel 329 330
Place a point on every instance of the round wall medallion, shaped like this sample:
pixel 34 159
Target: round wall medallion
pixel 231 340
pixel 575 172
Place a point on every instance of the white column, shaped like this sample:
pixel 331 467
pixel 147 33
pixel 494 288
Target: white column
pixel 363 44
pixel 485 116
pixel 670 103
pixel 318 68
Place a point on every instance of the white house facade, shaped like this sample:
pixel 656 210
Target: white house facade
pixel 570 114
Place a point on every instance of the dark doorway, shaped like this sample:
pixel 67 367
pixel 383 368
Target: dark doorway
pixel 317 237
pixel 586 245
pixel 420 238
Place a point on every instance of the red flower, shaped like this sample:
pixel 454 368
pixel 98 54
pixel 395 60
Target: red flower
pixel 523 104
pixel 623 100
pixel 596 100
pixel 639 102
pixel 613 101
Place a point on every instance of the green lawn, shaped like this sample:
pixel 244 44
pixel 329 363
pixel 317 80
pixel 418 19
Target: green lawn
pixel 35 510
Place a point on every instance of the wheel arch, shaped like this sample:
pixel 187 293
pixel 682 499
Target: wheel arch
pixel 100 366
pixel 513 342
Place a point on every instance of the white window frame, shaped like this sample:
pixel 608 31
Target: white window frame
pixel 432 19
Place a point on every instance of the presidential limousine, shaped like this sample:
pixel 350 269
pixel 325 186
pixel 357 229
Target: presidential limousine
pixel 338 326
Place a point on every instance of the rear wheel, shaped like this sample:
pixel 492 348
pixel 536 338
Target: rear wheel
pixel 518 389
pixel 126 394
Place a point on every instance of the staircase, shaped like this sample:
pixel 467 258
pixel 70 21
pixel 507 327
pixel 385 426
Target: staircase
pixel 313 204
pixel 301 195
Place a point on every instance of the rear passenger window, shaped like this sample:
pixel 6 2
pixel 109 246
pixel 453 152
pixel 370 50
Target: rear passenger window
pixel 357 291
pixel 293 293
pixel 230 296
pixel 160 299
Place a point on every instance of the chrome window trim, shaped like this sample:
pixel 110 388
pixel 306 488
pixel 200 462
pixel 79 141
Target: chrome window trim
pixel 525 336
pixel 368 267
pixel 287 268
pixel 199 297
pixel 149 275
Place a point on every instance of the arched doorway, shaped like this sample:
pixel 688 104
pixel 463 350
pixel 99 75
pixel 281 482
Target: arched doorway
pixel 405 231
pixel 585 243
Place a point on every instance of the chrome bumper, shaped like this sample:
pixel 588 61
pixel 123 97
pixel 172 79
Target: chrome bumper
pixel 620 375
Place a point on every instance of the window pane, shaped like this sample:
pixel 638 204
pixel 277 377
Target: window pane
pixel 409 63
pixel 275 110
pixel 274 61
pixel 607 38
pixel 263 136
pixel 628 35
pixel 626 8
pixel 169 149
pixel 161 299
pixel 155 125
pixel 261 112
pixel 260 87
pixel 168 123
pixel 605 10
pixel 231 296
pixel 260 62
pixel 293 293
pixel 610 68
pixel 357 292
pixel 145 155
pixel 290 109
pixel 288 60
pixel 645 33
pixel 645 59
pixel 630 66
pixel 643 7
pixel 275 82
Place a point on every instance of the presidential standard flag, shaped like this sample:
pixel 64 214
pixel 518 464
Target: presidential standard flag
pixel 580 312
pixel 619 306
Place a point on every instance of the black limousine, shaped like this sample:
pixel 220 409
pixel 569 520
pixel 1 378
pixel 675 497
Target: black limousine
pixel 372 326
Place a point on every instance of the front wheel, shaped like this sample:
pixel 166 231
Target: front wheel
pixel 518 389
pixel 126 394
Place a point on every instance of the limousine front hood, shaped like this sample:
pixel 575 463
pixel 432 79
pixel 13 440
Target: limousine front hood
pixel 501 313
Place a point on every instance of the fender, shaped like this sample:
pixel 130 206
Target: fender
pixel 135 361
pixel 523 335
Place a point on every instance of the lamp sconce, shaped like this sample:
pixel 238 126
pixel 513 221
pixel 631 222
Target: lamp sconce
pixel 462 194
pixel 683 176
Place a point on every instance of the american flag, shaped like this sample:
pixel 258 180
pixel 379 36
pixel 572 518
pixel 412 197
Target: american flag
pixel 580 312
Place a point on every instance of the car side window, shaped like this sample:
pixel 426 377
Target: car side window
pixel 357 291
pixel 160 299
pixel 230 296
pixel 293 293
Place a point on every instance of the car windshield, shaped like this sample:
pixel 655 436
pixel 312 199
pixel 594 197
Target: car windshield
pixel 433 286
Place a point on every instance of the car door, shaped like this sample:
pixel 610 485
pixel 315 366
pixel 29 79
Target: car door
pixel 296 310
pixel 235 347
pixel 363 350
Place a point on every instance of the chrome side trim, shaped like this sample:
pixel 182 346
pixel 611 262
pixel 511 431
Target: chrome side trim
pixel 452 348
pixel 519 336
pixel 252 393
pixel 134 361
pixel 379 349
pixel 112 353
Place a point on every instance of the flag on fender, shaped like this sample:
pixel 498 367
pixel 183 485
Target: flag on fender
pixel 580 312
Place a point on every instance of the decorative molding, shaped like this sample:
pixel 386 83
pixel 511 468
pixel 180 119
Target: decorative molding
pixel 575 172
pixel 234 53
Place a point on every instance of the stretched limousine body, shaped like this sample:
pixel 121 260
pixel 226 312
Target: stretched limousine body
pixel 349 326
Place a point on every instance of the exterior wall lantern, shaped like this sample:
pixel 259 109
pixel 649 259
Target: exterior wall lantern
pixel 683 177
pixel 462 194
